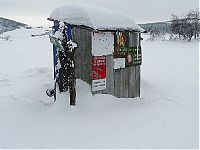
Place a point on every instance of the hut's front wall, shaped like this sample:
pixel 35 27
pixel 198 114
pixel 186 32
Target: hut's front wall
pixel 121 82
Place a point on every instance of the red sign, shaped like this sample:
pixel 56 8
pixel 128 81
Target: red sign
pixel 98 67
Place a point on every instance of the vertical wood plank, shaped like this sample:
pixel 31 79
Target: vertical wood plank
pixel 83 34
pixel 126 72
pixel 111 74
pixel 89 49
pixel 108 73
pixel 137 86
pixel 133 39
pixel 117 82
pixel 77 69
pixel 121 82
pixel 131 82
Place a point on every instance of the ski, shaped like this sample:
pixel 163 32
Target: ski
pixel 52 92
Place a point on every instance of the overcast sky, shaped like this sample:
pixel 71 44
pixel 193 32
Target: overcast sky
pixel 35 12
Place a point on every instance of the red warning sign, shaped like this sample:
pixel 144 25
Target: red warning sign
pixel 98 73
pixel 98 67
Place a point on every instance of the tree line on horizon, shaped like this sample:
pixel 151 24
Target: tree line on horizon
pixel 185 27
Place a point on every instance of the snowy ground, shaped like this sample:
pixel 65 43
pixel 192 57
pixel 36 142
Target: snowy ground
pixel 166 115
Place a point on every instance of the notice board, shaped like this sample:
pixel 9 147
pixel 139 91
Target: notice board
pixel 98 73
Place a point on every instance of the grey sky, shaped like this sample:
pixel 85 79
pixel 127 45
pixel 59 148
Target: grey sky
pixel 35 12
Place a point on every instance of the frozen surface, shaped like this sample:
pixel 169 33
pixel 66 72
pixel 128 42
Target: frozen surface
pixel 165 116
pixel 94 17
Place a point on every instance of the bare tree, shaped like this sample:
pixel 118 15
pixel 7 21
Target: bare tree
pixel 175 26
pixel 193 16
pixel 185 27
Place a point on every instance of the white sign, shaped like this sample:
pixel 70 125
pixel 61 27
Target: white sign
pixel 119 63
pixel 102 43
pixel 98 85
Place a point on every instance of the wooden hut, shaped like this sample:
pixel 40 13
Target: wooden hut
pixel 109 52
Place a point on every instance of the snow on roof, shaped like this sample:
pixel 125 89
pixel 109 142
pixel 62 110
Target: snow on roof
pixel 94 17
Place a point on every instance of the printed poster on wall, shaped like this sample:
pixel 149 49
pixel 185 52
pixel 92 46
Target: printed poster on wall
pixel 124 49
pixel 98 73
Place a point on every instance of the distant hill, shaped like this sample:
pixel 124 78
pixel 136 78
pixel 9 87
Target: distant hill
pixel 159 26
pixel 8 25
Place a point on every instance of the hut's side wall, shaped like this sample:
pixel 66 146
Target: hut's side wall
pixel 83 54
pixel 127 82
pixel 124 82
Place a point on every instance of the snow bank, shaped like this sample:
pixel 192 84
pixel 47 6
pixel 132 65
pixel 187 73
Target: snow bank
pixel 164 117
pixel 94 17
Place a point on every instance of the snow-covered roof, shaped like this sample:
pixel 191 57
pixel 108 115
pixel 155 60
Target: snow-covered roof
pixel 94 17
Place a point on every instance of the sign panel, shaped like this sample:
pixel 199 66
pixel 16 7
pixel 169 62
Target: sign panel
pixel 119 63
pixel 128 47
pixel 98 73
pixel 98 85
pixel 102 43
pixel 122 39
pixel 132 55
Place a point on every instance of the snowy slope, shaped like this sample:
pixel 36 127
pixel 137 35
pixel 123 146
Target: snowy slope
pixel 8 25
pixel 166 115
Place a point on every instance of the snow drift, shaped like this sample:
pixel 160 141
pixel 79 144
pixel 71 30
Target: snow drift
pixel 165 116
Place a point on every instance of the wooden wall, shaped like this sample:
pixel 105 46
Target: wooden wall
pixel 124 83
pixel 121 83
pixel 127 82
pixel 83 54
